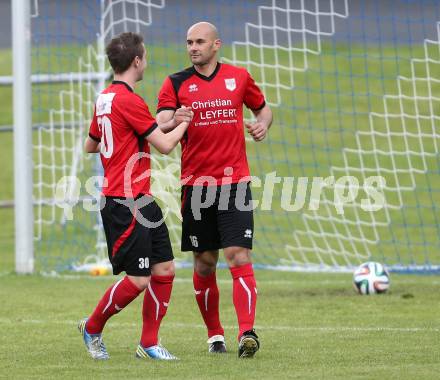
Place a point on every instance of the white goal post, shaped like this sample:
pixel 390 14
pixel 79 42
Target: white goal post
pixel 23 185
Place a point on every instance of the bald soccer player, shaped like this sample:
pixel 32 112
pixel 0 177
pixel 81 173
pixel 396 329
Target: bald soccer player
pixel 216 195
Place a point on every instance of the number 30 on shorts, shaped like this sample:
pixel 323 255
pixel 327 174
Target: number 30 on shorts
pixel 144 262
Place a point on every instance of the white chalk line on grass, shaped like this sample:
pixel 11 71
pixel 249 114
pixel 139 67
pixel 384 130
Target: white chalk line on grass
pixel 76 277
pixel 219 281
pixel 314 281
pixel 189 280
pixel 8 321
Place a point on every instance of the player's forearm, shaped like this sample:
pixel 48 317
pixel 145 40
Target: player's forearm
pixel 167 126
pixel 92 146
pixel 264 116
pixel 165 120
pixel 166 142
pixel 173 137
pixel 97 149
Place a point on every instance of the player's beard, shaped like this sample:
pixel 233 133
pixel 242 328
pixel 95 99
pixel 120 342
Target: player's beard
pixel 196 60
pixel 203 59
pixel 202 62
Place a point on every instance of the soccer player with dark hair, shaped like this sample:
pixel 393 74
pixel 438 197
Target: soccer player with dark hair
pixel 215 178
pixel 137 237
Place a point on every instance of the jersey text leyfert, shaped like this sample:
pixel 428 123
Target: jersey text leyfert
pixel 214 140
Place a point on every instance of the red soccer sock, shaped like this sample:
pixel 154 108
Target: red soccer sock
pixel 114 300
pixel 244 295
pixel 156 299
pixel 207 296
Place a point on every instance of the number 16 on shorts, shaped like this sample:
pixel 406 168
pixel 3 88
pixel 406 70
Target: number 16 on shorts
pixel 194 241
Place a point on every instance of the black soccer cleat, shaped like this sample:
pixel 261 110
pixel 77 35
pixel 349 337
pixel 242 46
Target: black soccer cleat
pixel 217 348
pixel 248 345
pixel 217 344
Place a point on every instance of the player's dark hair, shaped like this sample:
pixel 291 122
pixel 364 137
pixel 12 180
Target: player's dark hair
pixel 123 49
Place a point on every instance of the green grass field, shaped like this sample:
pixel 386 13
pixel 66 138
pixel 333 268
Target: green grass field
pixel 311 325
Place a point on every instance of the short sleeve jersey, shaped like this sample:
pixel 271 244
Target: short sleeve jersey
pixel 214 140
pixel 121 121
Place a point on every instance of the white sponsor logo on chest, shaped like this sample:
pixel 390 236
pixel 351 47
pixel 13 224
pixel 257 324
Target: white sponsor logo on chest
pixel 192 87
pixel 230 84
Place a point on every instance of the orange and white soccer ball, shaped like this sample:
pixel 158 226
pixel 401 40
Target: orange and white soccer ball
pixel 371 278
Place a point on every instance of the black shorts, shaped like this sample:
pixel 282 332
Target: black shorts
pixel 227 221
pixel 135 244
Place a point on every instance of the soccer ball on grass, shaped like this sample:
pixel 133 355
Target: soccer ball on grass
pixel 371 278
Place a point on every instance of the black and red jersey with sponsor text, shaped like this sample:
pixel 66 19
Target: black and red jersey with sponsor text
pixel 215 138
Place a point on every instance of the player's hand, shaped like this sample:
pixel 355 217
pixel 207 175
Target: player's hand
pixel 183 114
pixel 257 130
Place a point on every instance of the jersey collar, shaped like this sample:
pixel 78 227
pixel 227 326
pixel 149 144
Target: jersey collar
pixel 211 77
pixel 122 82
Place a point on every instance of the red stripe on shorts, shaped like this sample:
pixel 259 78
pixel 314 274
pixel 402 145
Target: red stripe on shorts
pixel 124 236
pixel 185 190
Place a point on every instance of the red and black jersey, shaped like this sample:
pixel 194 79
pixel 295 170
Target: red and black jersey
pixel 121 121
pixel 215 137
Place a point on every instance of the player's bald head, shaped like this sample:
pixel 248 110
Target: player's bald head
pixel 204 28
pixel 202 43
